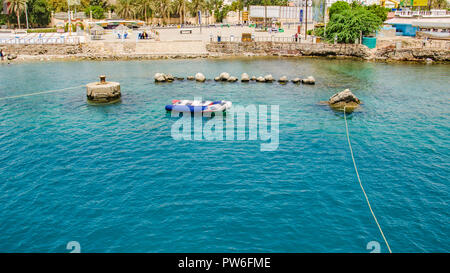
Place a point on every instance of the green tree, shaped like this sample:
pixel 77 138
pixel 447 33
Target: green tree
pixel 97 12
pixel 144 9
pixel 237 5
pixel 126 9
pixel 58 5
pixel 39 13
pixel 379 11
pixel 338 7
pixel 348 24
pixel 17 7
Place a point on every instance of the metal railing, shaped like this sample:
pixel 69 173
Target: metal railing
pixel 42 40
pixel 275 39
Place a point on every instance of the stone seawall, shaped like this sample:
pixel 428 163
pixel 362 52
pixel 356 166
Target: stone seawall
pixel 37 49
pixel 288 49
pixel 196 49
pixel 385 53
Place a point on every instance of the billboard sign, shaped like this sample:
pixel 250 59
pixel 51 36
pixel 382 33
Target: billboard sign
pixel 419 3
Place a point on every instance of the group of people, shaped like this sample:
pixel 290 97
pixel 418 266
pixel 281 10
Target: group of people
pixel 143 35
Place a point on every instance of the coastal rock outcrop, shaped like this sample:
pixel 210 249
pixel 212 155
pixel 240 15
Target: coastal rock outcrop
pixel 344 100
pixel 260 79
pixel 11 57
pixel 103 91
pixel 296 80
pixel 200 77
pixel 232 79
pixel 283 79
pixel 309 80
pixel 224 76
pixel 159 77
pixel 245 77
pixel 169 77
pixel 268 78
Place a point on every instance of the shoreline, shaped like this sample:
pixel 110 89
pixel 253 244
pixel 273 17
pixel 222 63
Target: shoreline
pixel 148 57
pixel 222 50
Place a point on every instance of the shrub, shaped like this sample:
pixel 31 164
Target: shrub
pixel 338 7
pixel 97 12
pixel 41 30
pixel 348 24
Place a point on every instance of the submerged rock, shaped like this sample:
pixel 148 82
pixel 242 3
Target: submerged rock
pixel 344 100
pixel 179 78
pixel 283 79
pixel 309 80
pixel 245 77
pixel 224 76
pixel 200 77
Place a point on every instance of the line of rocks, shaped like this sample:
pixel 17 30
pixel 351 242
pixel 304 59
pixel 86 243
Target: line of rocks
pixel 226 77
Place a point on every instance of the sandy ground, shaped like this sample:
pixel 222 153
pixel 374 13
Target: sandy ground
pixel 204 34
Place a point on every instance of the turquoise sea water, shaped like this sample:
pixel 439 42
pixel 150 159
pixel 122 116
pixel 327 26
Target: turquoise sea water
pixel 113 179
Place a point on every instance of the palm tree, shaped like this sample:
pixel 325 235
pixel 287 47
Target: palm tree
pixel 126 9
pixel 162 7
pixel 17 6
pixel 145 9
pixel 180 8
pixel 195 6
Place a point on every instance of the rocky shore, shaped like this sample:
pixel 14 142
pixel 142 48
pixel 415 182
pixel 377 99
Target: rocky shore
pixel 228 49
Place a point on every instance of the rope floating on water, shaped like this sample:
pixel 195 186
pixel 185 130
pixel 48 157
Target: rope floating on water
pixel 362 188
pixel 39 93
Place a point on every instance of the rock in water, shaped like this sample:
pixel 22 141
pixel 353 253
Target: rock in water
pixel 169 78
pixel 232 79
pixel 159 77
pixel 200 77
pixel 11 57
pixel 224 76
pixel 283 79
pixel 190 78
pixel 103 91
pixel 309 80
pixel 260 79
pixel 296 80
pixel 344 99
pixel 245 77
pixel 253 78
pixel 217 79
pixel 268 78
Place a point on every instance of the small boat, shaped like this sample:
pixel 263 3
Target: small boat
pixel 195 106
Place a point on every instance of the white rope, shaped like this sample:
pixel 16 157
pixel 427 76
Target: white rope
pixel 365 195
pixel 39 93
